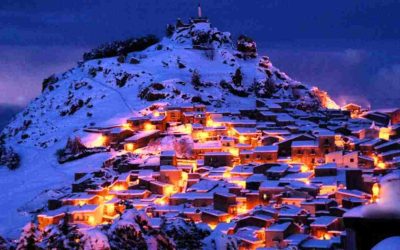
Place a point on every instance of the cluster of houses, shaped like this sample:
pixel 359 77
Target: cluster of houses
pixel 272 176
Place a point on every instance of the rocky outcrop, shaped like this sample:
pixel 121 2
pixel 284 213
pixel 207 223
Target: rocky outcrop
pixel 265 88
pixel 200 35
pixel 246 47
pixel 118 48
pixel 48 83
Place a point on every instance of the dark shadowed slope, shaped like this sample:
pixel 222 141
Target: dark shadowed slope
pixel 7 111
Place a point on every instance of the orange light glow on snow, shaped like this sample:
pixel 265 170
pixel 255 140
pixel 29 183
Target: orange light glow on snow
pixel 242 209
pixel 97 140
pixel 126 126
pixel 202 135
pixel 211 123
pixel 226 175
pixel 118 188
pixel 234 151
pixel 242 139
pixel 169 190
pixel 129 147
pixel 91 221
pixel 149 126
pixel 385 133
pixel 375 190
pixel 381 165
pixel 304 168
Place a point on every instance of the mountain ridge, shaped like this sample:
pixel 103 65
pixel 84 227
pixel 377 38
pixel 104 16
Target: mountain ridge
pixel 193 36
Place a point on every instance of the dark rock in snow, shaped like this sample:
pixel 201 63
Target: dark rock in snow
pixel 121 47
pixel 9 158
pixel 246 47
pixel 49 82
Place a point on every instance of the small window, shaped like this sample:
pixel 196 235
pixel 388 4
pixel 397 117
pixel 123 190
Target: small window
pixel 351 160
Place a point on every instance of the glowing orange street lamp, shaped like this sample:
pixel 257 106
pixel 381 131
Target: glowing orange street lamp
pixel 304 168
pixel 148 127
pixel 126 126
pixel 91 221
pixel 375 192
pixel 381 165
pixel 129 147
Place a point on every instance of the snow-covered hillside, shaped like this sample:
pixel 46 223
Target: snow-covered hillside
pixel 196 63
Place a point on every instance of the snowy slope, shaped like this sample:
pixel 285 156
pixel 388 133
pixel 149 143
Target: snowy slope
pixel 104 92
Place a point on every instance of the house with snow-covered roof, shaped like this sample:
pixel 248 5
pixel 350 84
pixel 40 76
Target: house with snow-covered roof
pixel 260 154
pixel 277 232
pixel 306 152
pixel 285 146
pixel 140 139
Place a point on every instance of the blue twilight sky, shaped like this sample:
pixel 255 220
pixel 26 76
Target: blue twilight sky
pixel 349 47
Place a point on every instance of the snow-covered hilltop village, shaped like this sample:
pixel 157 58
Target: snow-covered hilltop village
pixel 195 141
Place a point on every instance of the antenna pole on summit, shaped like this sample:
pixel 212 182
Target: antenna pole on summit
pixel 199 11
